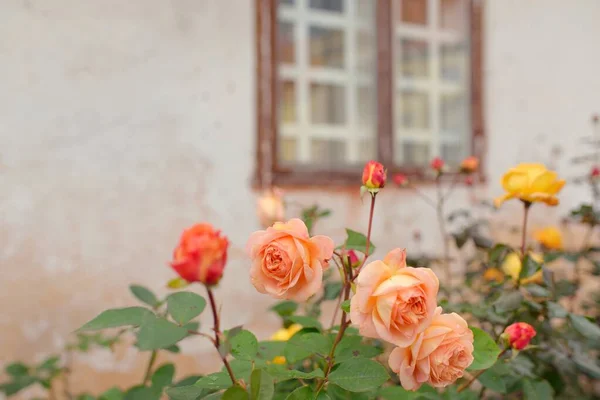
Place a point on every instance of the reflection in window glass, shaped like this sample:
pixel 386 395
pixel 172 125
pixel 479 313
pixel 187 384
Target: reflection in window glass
pixel 451 153
pixel 326 47
pixel 366 150
pixel 287 2
pixel 453 113
pixel 327 104
pixel 327 151
pixel 414 58
pixel 415 109
pixel 453 62
pixel 328 5
pixel 416 153
pixel 287 150
pixel 366 107
pixel 413 12
pixel 365 52
pixel 454 15
pixel 287 111
pixel 287 47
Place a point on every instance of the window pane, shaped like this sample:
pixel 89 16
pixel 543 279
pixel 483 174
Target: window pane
pixel 366 150
pixel 287 2
pixel 414 58
pixel 367 112
pixel 413 11
pixel 365 10
pixel 415 109
pixel 416 153
pixel 327 152
pixel 326 47
pixel 453 110
pixel 328 5
pixel 287 45
pixel 287 112
pixel 287 150
pixel 453 62
pixel 365 51
pixel 452 153
pixel 454 14
pixel 327 104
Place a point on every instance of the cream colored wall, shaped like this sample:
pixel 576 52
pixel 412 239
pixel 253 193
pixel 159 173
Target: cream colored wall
pixel 122 122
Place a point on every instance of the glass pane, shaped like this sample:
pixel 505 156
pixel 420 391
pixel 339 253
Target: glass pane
pixel 415 109
pixel 365 52
pixel 287 2
pixel 287 112
pixel 452 153
pixel 365 9
pixel 414 55
pixel 327 104
pixel 328 151
pixel 328 5
pixel 366 107
pixel 366 150
pixel 326 47
pixel 453 110
pixel 454 15
pixel 453 62
pixel 415 153
pixel 287 44
pixel 413 11
pixel 288 150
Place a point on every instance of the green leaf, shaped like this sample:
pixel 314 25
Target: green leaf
pixel 397 392
pixel 116 317
pixel 186 392
pixel 304 345
pixel 268 350
pixel 177 283
pixel 281 373
pixel 184 306
pixel 357 241
pixel 497 253
pixel 235 393
pixel 17 384
pixel 144 295
pixel 112 394
pixel 537 290
pixel 486 350
pixel 565 288
pixel 509 301
pixel 332 290
pixel 345 306
pixel 158 333
pixel 216 381
pixel 285 308
pixel 351 347
pixel 552 255
pixel 555 310
pixel 163 376
pixel 244 345
pixel 141 393
pixel 261 385
pixel 530 267
pixel 493 380
pixel 537 390
pixel 17 369
pixel 173 349
pixel 306 322
pixel 587 365
pixel 582 325
pixel 302 393
pixel 359 375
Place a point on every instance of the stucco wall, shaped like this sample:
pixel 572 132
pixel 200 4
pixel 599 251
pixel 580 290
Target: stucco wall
pixel 122 122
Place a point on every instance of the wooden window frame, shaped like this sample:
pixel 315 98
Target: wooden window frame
pixel 268 173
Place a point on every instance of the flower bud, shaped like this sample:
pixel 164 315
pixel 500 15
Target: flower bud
pixel 201 255
pixel 270 207
pixel 354 259
pixel 518 335
pixel 400 180
pixel 595 172
pixel 469 181
pixel 374 175
pixel 437 164
pixel 469 165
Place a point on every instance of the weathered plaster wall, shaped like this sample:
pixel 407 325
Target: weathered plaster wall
pixel 122 122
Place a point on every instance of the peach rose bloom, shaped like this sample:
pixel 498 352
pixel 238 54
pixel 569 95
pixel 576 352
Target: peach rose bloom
pixel 438 356
pixel 270 207
pixel 286 262
pixel 392 301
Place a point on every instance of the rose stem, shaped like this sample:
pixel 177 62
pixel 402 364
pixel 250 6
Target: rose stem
pixel 217 342
pixel 348 278
pixel 526 206
pixel 474 378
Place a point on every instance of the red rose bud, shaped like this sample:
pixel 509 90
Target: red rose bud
pixel 354 260
pixel 519 334
pixel 374 175
pixel 437 164
pixel 469 165
pixel 400 180
pixel 469 181
pixel 201 255
pixel 595 172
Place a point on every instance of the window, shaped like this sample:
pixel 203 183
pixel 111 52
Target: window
pixel 341 82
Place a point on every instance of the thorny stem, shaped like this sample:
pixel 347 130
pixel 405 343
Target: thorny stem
pixel 526 206
pixel 474 377
pixel 151 362
pixel 217 341
pixel 348 279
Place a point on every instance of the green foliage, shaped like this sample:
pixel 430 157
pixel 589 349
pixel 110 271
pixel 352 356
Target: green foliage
pixel 117 317
pixel 302 393
pixel 157 333
pixel 537 390
pixel 163 376
pixel 262 385
pixel 301 346
pixel 485 351
pixel 359 375
pixel 235 393
pixel 312 214
pixel 144 295
pixel 185 306
pixel 345 306
pixel 306 322
pixel 357 241
pixel 244 345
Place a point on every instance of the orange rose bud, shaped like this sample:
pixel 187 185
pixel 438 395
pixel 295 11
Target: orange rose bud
pixel 469 165
pixel 201 255
pixel 400 180
pixel 595 172
pixel 437 164
pixel 374 175
pixel 519 334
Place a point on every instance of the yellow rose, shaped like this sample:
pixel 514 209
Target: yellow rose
pixel 512 267
pixel 283 335
pixel 493 274
pixel 531 183
pixel 550 237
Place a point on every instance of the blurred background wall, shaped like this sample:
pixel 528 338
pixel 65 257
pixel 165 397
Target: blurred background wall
pixel 123 122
